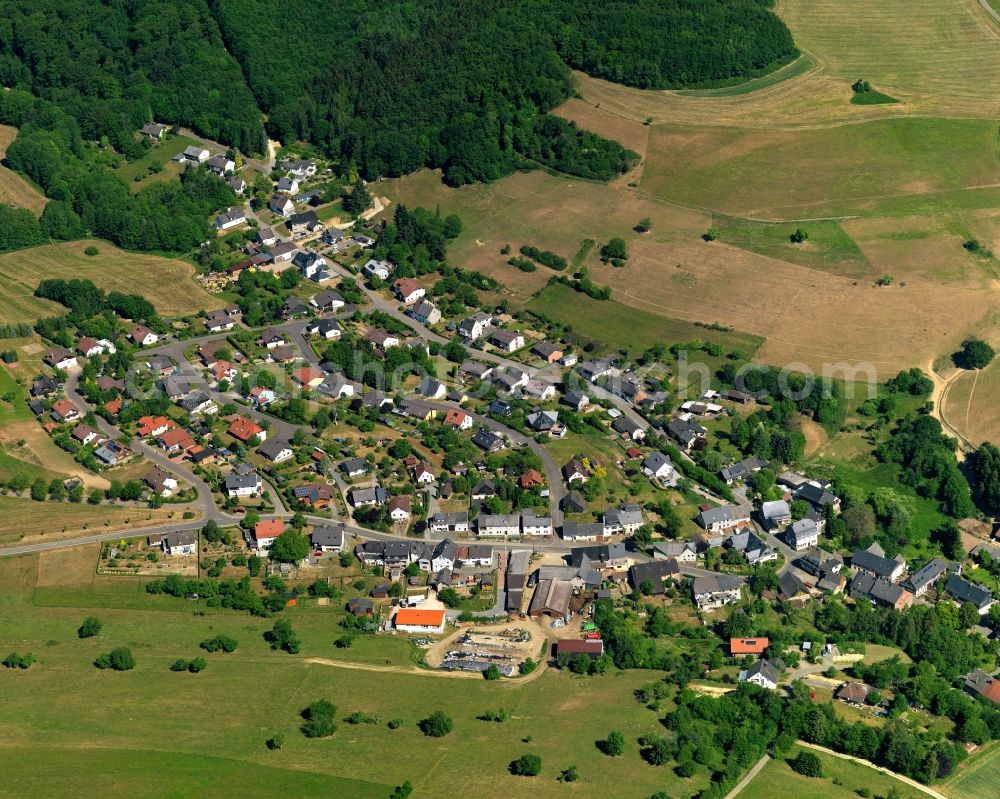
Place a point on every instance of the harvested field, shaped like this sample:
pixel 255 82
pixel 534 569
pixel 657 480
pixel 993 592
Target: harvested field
pixel 14 189
pixel 165 282
pixel 969 404
pixel 938 59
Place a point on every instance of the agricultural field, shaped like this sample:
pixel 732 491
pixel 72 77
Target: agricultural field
pixel 14 189
pixel 25 521
pixel 160 718
pixel 888 166
pixel 978 779
pixel 969 404
pixel 165 282
pixel 842 779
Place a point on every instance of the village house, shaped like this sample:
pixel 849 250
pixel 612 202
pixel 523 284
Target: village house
pixel 457 522
pixel 658 466
pixel 414 620
pixel 408 290
pixel 276 451
pixel 963 591
pixel 83 434
pixel 328 538
pixel 498 525
pixel 154 131
pixel 583 531
pixel 738 647
pixel 305 222
pixel 230 218
pixel 243 483
pixel 746 542
pixel 474 370
pixel 741 470
pixel 236 183
pixel 381 339
pixel 301 168
pixel 775 514
pixel 507 340
pixel 64 411
pixel 880 591
pixel 681 551
pixel 425 312
pixel 460 420
pixel 802 534
pixel 199 404
pixel 713 591
pixel 176 441
pixel 243 429
pixel 312 265
pixel 476 326
pixel 265 533
pixel 143 336
pixel 921 580
pixel 193 155
pixel 725 517
pixel 576 400
pixel 60 358
pixel 112 453
pixel 763 673
pixel 379 269
pixel 89 347
pixel 628 429
pixel 657 573
pixel 624 520
pixel 687 433
pixel 287 185
pixel 533 525
pixel 574 470
pixel 153 426
pixel 327 301
pixel 487 441
pixel 547 351
pixel 180 542
pixel 872 561
pixel 328 329
pixel 217 321
pixel 399 508
pixel 281 205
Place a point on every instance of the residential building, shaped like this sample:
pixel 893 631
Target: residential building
pixel 281 205
pixel 476 326
pixel 379 269
pixel 327 301
pixel 741 470
pixel 871 561
pixel 747 646
pixel 180 542
pixel 143 336
pixel 265 533
pixel 880 591
pixel 547 351
pixel 713 591
pixel 681 551
pixel 328 538
pixel 498 525
pixel 457 522
pixel 276 450
pixel 628 429
pixel 802 534
pixel 775 514
pixel 425 312
pixel 725 517
pixel 460 420
pixel 921 580
pixel 399 508
pixel 243 484
pixel 243 429
pixel 305 222
pixel 655 572
pixel 533 525
pixel 624 520
pixel 583 531
pixel 687 433
pixel 763 673
pixel 415 620
pixel 60 358
pixel 963 591
pixel 230 218
pixel 507 340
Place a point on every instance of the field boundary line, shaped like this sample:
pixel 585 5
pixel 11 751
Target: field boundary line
pixel 912 783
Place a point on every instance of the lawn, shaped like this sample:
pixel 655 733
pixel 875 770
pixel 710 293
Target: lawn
pixel 228 711
pixel 778 779
pixel 611 324
pixel 799 66
pixel 14 188
pixel 160 154
pixel 165 282
pixel 978 778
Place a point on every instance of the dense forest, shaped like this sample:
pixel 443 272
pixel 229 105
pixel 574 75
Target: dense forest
pixel 114 66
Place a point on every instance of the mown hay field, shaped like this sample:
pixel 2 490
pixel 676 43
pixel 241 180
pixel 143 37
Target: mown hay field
pixel 166 282
pixel 14 189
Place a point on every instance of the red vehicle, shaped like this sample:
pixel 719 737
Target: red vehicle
pixel 592 637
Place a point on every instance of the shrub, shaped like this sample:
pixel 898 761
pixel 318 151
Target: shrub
pixel 221 643
pixel 118 659
pixel 319 719
pixel 569 774
pixel 179 665
pixel 402 791
pixel 196 665
pixel 499 716
pixel 437 724
pixel 614 744
pixel 276 741
pixel 710 235
pixel 91 250
pixel 798 236
pixel 527 666
pixel 282 636
pixel 16 661
pixel 492 673
pixel 614 249
pixel 526 766
pixel 394 724
pixel 806 764
pixel 656 750
pixel 91 626
pixel 975 354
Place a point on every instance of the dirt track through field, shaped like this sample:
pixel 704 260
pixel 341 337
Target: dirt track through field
pixel 416 670
pixel 912 783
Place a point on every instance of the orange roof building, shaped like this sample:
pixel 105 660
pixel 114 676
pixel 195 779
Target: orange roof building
pixel 153 425
pixel 113 406
pixel 460 420
pixel 420 621
pixel 176 440
pixel 531 479
pixel 266 531
pixel 747 646
pixel 308 376
pixel 243 429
